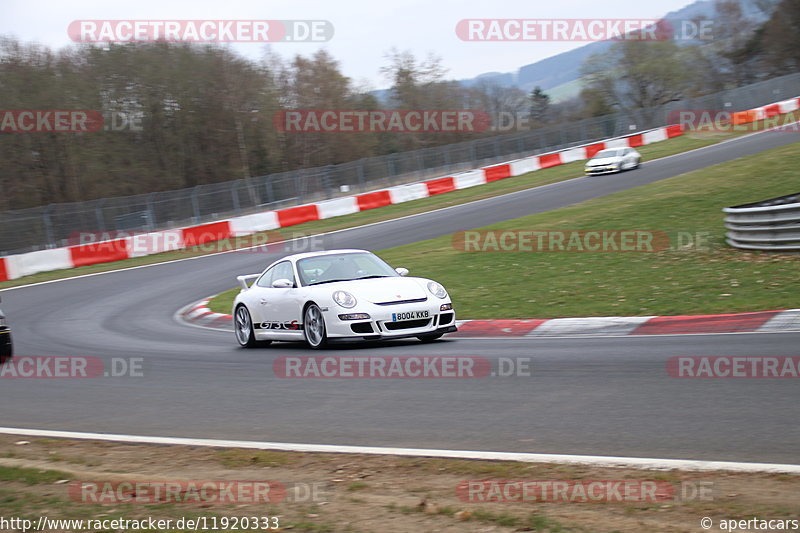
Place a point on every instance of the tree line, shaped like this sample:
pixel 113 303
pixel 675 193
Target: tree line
pixel 204 114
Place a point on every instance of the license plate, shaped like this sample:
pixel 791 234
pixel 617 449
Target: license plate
pixel 410 315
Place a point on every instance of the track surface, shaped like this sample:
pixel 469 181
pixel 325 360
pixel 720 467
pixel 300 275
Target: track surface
pixel 605 396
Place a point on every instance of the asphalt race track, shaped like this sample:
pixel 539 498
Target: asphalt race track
pixel 603 396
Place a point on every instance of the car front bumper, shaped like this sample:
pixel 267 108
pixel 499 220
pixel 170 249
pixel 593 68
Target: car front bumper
pixel 353 338
pixel 383 320
pixel 604 169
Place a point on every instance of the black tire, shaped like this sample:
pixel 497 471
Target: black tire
pixel 429 337
pixel 243 329
pixel 6 348
pixel 314 330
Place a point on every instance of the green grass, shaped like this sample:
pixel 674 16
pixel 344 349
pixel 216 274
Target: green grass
pixel 358 485
pixel 31 476
pixel 235 458
pixel 518 183
pixel 713 278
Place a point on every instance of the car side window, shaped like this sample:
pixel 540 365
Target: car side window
pixel 283 270
pixel 266 278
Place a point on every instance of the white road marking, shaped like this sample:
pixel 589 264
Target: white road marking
pixel 619 462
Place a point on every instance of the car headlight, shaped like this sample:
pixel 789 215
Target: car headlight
pixel 344 299
pixel 437 290
pixel 354 316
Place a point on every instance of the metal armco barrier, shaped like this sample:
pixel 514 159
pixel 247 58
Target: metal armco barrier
pixel 771 225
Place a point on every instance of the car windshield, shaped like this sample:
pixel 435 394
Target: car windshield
pixel 342 267
pixel 611 152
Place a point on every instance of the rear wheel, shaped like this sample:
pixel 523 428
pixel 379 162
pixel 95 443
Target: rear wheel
pixel 429 337
pixel 314 327
pixel 243 327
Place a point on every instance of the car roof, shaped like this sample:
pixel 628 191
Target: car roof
pixel 305 255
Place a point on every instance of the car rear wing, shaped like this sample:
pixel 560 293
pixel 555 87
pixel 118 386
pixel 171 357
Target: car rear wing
pixel 243 280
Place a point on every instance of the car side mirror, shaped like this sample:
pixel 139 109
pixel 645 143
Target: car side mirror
pixel 402 271
pixel 282 284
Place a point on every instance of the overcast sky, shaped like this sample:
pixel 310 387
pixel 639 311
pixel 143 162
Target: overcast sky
pixel 364 30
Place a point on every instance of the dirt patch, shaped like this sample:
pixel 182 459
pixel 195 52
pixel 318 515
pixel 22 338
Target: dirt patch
pixel 363 493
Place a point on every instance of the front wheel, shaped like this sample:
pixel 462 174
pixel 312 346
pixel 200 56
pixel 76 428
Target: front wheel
pixel 6 349
pixel 243 327
pixel 314 327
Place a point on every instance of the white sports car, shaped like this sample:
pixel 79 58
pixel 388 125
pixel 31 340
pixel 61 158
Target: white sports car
pixel 613 160
pixel 338 295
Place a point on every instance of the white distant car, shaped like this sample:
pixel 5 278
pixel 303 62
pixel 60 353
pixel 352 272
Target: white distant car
pixel 613 160
pixel 318 297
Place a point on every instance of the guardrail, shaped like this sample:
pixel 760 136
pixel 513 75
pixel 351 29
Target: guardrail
pixel 770 225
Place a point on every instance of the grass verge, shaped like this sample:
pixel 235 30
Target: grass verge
pixel 362 493
pixel 702 276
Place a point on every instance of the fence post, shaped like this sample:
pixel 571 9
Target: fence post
pixel 195 204
pixel 360 175
pixel 327 181
pixel 151 211
pixel 390 168
pixel 268 188
pixel 48 226
pixel 235 196
pixel 98 215
pixel 299 177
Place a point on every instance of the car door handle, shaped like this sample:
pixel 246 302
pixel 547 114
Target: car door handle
pixel 263 301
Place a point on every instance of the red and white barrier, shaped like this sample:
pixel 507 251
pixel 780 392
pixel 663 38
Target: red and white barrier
pixel 469 179
pixel 440 186
pixel 407 193
pixel 16 266
pixel 338 207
